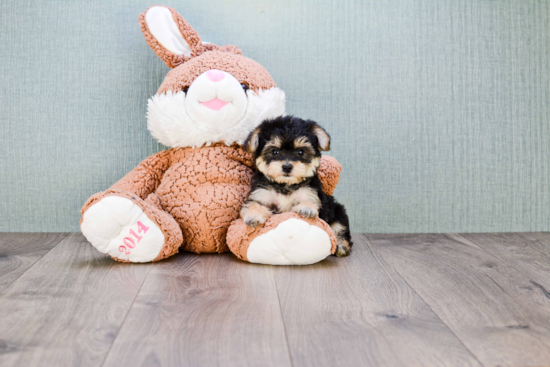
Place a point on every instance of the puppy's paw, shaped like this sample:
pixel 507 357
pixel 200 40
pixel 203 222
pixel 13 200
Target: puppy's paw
pixel 254 214
pixel 342 249
pixel 254 221
pixel 306 211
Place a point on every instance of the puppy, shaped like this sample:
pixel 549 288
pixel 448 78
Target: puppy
pixel 287 152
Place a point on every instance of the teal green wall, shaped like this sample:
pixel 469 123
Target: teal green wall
pixel 438 109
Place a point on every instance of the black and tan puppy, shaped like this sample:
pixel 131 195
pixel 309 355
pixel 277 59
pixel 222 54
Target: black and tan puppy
pixel 287 152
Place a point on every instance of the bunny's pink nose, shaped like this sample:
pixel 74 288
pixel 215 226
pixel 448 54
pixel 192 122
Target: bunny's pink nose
pixel 215 75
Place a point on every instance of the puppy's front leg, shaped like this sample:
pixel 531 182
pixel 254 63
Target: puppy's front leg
pixel 306 203
pixel 254 214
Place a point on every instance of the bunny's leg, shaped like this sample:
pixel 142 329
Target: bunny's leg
pixel 284 239
pixel 129 229
pixel 127 221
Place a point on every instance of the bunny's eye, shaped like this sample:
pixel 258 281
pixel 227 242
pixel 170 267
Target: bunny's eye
pixel 185 90
pixel 245 88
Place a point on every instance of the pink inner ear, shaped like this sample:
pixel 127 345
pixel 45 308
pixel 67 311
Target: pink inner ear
pixel 215 104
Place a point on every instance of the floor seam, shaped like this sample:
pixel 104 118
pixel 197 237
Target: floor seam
pixel 126 316
pixel 65 235
pixel 282 317
pixel 423 300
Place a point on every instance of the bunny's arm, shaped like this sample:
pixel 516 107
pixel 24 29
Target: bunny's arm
pixel 329 173
pixel 146 177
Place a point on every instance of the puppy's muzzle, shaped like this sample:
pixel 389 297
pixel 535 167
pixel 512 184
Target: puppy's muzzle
pixel 287 168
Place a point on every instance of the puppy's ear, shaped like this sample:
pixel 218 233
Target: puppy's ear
pixel 253 140
pixel 322 136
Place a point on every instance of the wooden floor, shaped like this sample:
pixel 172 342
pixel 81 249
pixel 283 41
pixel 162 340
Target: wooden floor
pixel 398 300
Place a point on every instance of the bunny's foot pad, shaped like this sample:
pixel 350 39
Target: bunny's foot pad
pixel 292 242
pixel 285 239
pixel 116 226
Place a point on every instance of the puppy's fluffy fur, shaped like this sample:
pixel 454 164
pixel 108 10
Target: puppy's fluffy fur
pixel 287 152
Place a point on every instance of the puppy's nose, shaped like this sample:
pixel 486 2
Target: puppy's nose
pixel 215 75
pixel 287 167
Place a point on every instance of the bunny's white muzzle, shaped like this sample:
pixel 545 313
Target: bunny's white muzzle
pixel 215 109
pixel 216 99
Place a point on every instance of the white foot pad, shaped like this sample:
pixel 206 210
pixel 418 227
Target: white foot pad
pixel 292 242
pixel 118 227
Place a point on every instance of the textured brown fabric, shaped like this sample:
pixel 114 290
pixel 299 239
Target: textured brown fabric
pixel 170 228
pixel 225 48
pixel 154 200
pixel 329 173
pixel 239 235
pixel 145 178
pixel 204 190
pixel 245 70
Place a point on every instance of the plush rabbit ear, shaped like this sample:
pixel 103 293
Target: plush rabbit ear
pixel 169 35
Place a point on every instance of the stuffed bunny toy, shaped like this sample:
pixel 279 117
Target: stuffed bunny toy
pixel 189 197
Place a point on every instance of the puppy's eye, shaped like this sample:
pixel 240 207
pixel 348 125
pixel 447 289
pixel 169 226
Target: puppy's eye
pixel 185 90
pixel 245 88
pixel 275 152
pixel 300 152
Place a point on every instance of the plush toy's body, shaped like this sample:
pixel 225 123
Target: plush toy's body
pixel 188 196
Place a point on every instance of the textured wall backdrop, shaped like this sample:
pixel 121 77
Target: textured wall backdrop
pixel 438 109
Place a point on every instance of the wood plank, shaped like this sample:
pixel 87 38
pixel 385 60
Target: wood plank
pixel 539 240
pixel 204 310
pixel 489 305
pixel 19 251
pixel 67 309
pixel 358 311
pixel 519 253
